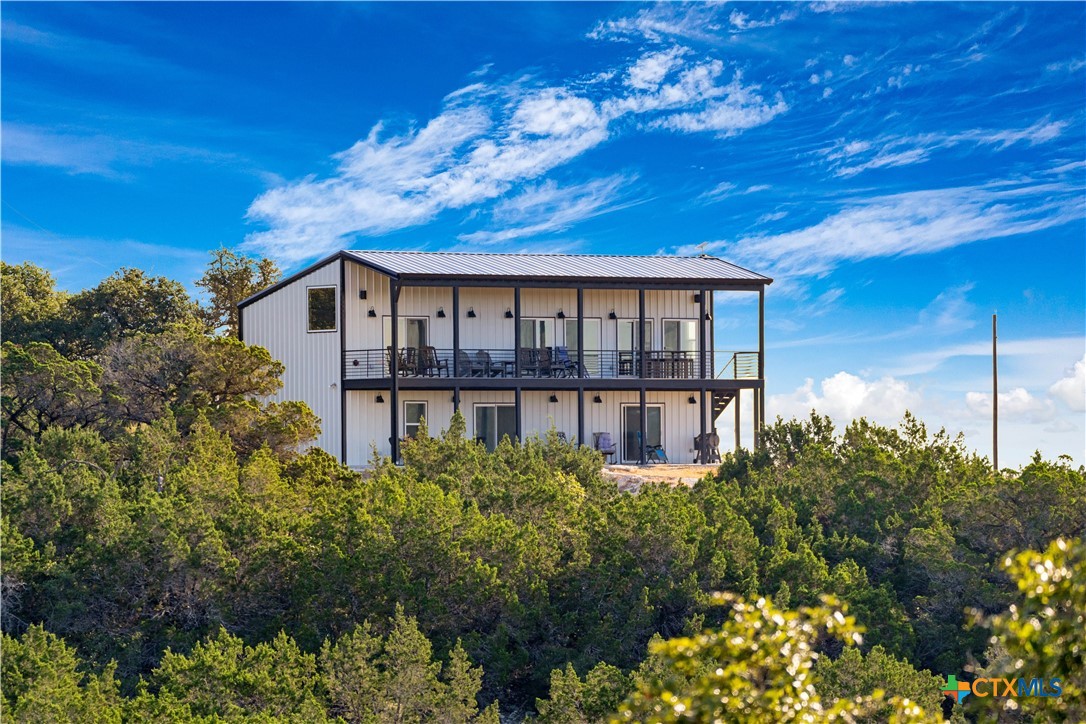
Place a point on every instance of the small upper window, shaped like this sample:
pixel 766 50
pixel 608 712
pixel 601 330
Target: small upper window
pixel 322 309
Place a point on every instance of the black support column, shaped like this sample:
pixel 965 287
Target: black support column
pixel 702 341
pixel 641 370
pixel 760 395
pixel 580 366
pixel 516 358
pixel 704 428
pixel 736 402
pixel 394 368
pixel 456 335
pixel 342 359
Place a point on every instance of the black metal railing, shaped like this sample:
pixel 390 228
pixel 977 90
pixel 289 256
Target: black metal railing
pixel 548 362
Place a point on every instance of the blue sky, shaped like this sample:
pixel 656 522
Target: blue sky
pixel 901 170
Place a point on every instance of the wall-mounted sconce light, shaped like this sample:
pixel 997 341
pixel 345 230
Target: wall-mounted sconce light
pixel 371 313
pixel 561 314
pixel 361 293
pixel 692 400
pixel 554 397
pixel 612 315
pixel 333 385
pixel 708 317
pixel 597 399
pixel 441 312
pixel 355 362
pixel 697 298
pixel 508 313
pixel 380 399
pixel 471 312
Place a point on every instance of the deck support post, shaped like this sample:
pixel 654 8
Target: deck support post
pixel 516 358
pixel 456 336
pixel 760 395
pixel 641 371
pixel 701 454
pixel 580 365
pixel 580 414
pixel 736 402
pixel 644 428
pixel 394 368
pixel 516 332
pixel 580 331
pixel 702 346
pixel 342 360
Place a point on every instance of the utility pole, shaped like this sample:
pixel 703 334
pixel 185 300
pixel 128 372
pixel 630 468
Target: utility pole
pixel 995 402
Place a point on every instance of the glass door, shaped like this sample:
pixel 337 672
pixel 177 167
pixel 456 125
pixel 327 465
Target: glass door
pixel 592 342
pixel 628 345
pixel 631 428
pixel 493 422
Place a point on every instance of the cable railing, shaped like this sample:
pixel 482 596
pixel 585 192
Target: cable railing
pixel 548 362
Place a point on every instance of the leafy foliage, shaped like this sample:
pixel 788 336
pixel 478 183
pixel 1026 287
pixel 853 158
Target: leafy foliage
pixel 229 279
pixel 152 503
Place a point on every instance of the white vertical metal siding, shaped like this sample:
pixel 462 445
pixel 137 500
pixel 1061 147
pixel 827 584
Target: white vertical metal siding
pixel 279 322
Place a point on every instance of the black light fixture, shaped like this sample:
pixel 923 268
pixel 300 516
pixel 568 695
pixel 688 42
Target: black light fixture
pixel 508 313
pixel 597 399
pixel 471 312
pixel 380 399
pixel 372 312
pixel 692 400
pixel 554 397
pixel 441 312
pixel 561 314
pixel 361 293
pixel 612 315
pixel 708 317
pixel 697 298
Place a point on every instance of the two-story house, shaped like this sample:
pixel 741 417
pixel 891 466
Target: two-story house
pixel 601 348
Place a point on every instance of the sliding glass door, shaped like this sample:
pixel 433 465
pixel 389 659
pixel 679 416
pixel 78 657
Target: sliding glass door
pixel 493 422
pixel 631 427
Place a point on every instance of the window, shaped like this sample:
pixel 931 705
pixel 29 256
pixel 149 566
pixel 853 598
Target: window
pixel 631 430
pixel 322 309
pixel 592 337
pixel 627 335
pixel 413 414
pixel 493 422
pixel 411 332
pixel 680 335
pixel 536 332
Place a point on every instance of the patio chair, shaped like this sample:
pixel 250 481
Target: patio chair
pixel 543 360
pixel 408 362
pixel 485 365
pixel 563 366
pixel 529 361
pixel 467 368
pixel 605 443
pixel 430 364
pixel 653 453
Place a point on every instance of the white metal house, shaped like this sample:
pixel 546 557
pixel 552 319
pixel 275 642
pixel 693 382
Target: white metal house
pixel 601 348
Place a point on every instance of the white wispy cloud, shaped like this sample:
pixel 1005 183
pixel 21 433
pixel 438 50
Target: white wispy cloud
pixel 915 222
pixel 849 158
pixel 663 22
pixel 79 151
pixel 547 207
pixel 490 140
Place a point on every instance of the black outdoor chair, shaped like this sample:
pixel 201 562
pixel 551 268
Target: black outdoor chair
pixel 431 365
pixel 605 443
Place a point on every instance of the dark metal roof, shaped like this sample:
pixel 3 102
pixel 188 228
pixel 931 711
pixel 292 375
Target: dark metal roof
pixel 471 265
pixel 692 271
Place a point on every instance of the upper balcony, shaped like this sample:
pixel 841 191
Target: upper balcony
pixel 549 362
